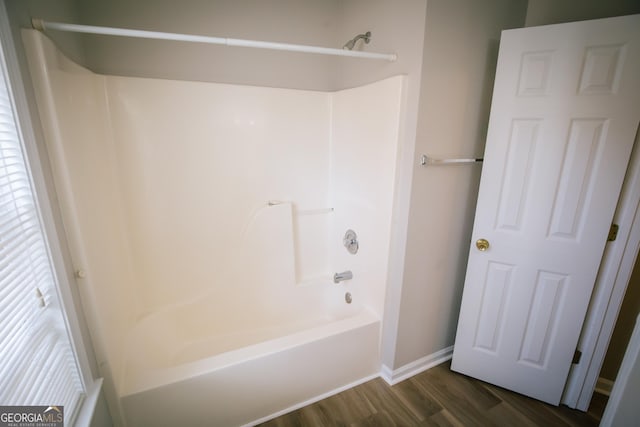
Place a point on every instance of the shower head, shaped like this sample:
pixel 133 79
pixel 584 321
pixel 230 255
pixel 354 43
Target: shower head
pixel 351 43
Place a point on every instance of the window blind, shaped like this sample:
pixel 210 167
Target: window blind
pixel 37 363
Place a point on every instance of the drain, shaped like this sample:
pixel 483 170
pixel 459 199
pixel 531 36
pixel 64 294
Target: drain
pixel 347 298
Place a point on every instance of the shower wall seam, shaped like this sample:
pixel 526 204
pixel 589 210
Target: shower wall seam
pixel 135 310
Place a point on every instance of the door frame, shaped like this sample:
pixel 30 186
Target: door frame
pixel 615 271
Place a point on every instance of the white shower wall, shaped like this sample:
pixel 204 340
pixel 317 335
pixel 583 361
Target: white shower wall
pixel 74 112
pixel 165 188
pixel 199 164
pixel 364 133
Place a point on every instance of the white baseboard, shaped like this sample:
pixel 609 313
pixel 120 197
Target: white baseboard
pixel 604 386
pixel 393 377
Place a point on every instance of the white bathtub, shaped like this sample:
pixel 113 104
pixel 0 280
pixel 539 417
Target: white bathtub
pixel 181 371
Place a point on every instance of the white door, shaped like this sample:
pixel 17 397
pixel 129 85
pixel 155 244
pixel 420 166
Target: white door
pixel 565 110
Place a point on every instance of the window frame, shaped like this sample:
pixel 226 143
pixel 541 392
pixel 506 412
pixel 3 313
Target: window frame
pixel 53 233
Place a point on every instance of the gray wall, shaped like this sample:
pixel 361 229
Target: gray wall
pixel 21 12
pixel 328 23
pixel 300 22
pixel 543 12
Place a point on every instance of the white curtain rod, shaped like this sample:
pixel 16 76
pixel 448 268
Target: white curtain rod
pixel 41 25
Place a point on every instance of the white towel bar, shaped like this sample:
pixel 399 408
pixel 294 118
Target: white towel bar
pixel 426 160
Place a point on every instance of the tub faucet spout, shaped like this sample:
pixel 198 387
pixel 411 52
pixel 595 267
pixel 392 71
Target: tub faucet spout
pixel 345 275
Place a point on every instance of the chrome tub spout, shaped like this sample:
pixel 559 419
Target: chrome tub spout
pixel 345 275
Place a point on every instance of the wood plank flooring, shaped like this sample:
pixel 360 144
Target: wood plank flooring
pixel 437 397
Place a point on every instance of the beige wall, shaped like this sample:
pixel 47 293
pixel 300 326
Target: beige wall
pixel 460 51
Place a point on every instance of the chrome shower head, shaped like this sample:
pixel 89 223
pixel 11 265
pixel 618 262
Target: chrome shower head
pixel 351 43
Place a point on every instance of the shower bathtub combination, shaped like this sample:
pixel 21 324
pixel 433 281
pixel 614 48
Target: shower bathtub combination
pixel 206 222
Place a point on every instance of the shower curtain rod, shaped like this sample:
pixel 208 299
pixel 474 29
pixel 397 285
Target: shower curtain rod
pixel 41 25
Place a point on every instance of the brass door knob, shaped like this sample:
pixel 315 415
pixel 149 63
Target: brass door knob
pixel 482 244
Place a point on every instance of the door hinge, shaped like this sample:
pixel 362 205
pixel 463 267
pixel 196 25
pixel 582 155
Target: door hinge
pixel 576 357
pixel 613 232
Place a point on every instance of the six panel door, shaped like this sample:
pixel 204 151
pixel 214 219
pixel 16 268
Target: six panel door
pixel 565 111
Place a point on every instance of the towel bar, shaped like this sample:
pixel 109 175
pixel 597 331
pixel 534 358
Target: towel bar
pixel 426 160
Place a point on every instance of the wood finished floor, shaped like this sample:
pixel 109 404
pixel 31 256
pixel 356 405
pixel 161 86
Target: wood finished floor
pixel 437 397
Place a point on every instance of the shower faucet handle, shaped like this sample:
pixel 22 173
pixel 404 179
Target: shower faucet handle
pixel 350 241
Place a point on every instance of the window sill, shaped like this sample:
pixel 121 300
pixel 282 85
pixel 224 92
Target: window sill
pixel 87 411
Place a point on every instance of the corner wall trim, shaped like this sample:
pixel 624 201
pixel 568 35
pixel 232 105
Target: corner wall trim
pixel 393 377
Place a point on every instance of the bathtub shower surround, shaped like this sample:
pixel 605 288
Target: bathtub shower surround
pixel 209 221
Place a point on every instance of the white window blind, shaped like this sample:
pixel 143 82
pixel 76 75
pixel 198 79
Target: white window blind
pixel 37 363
